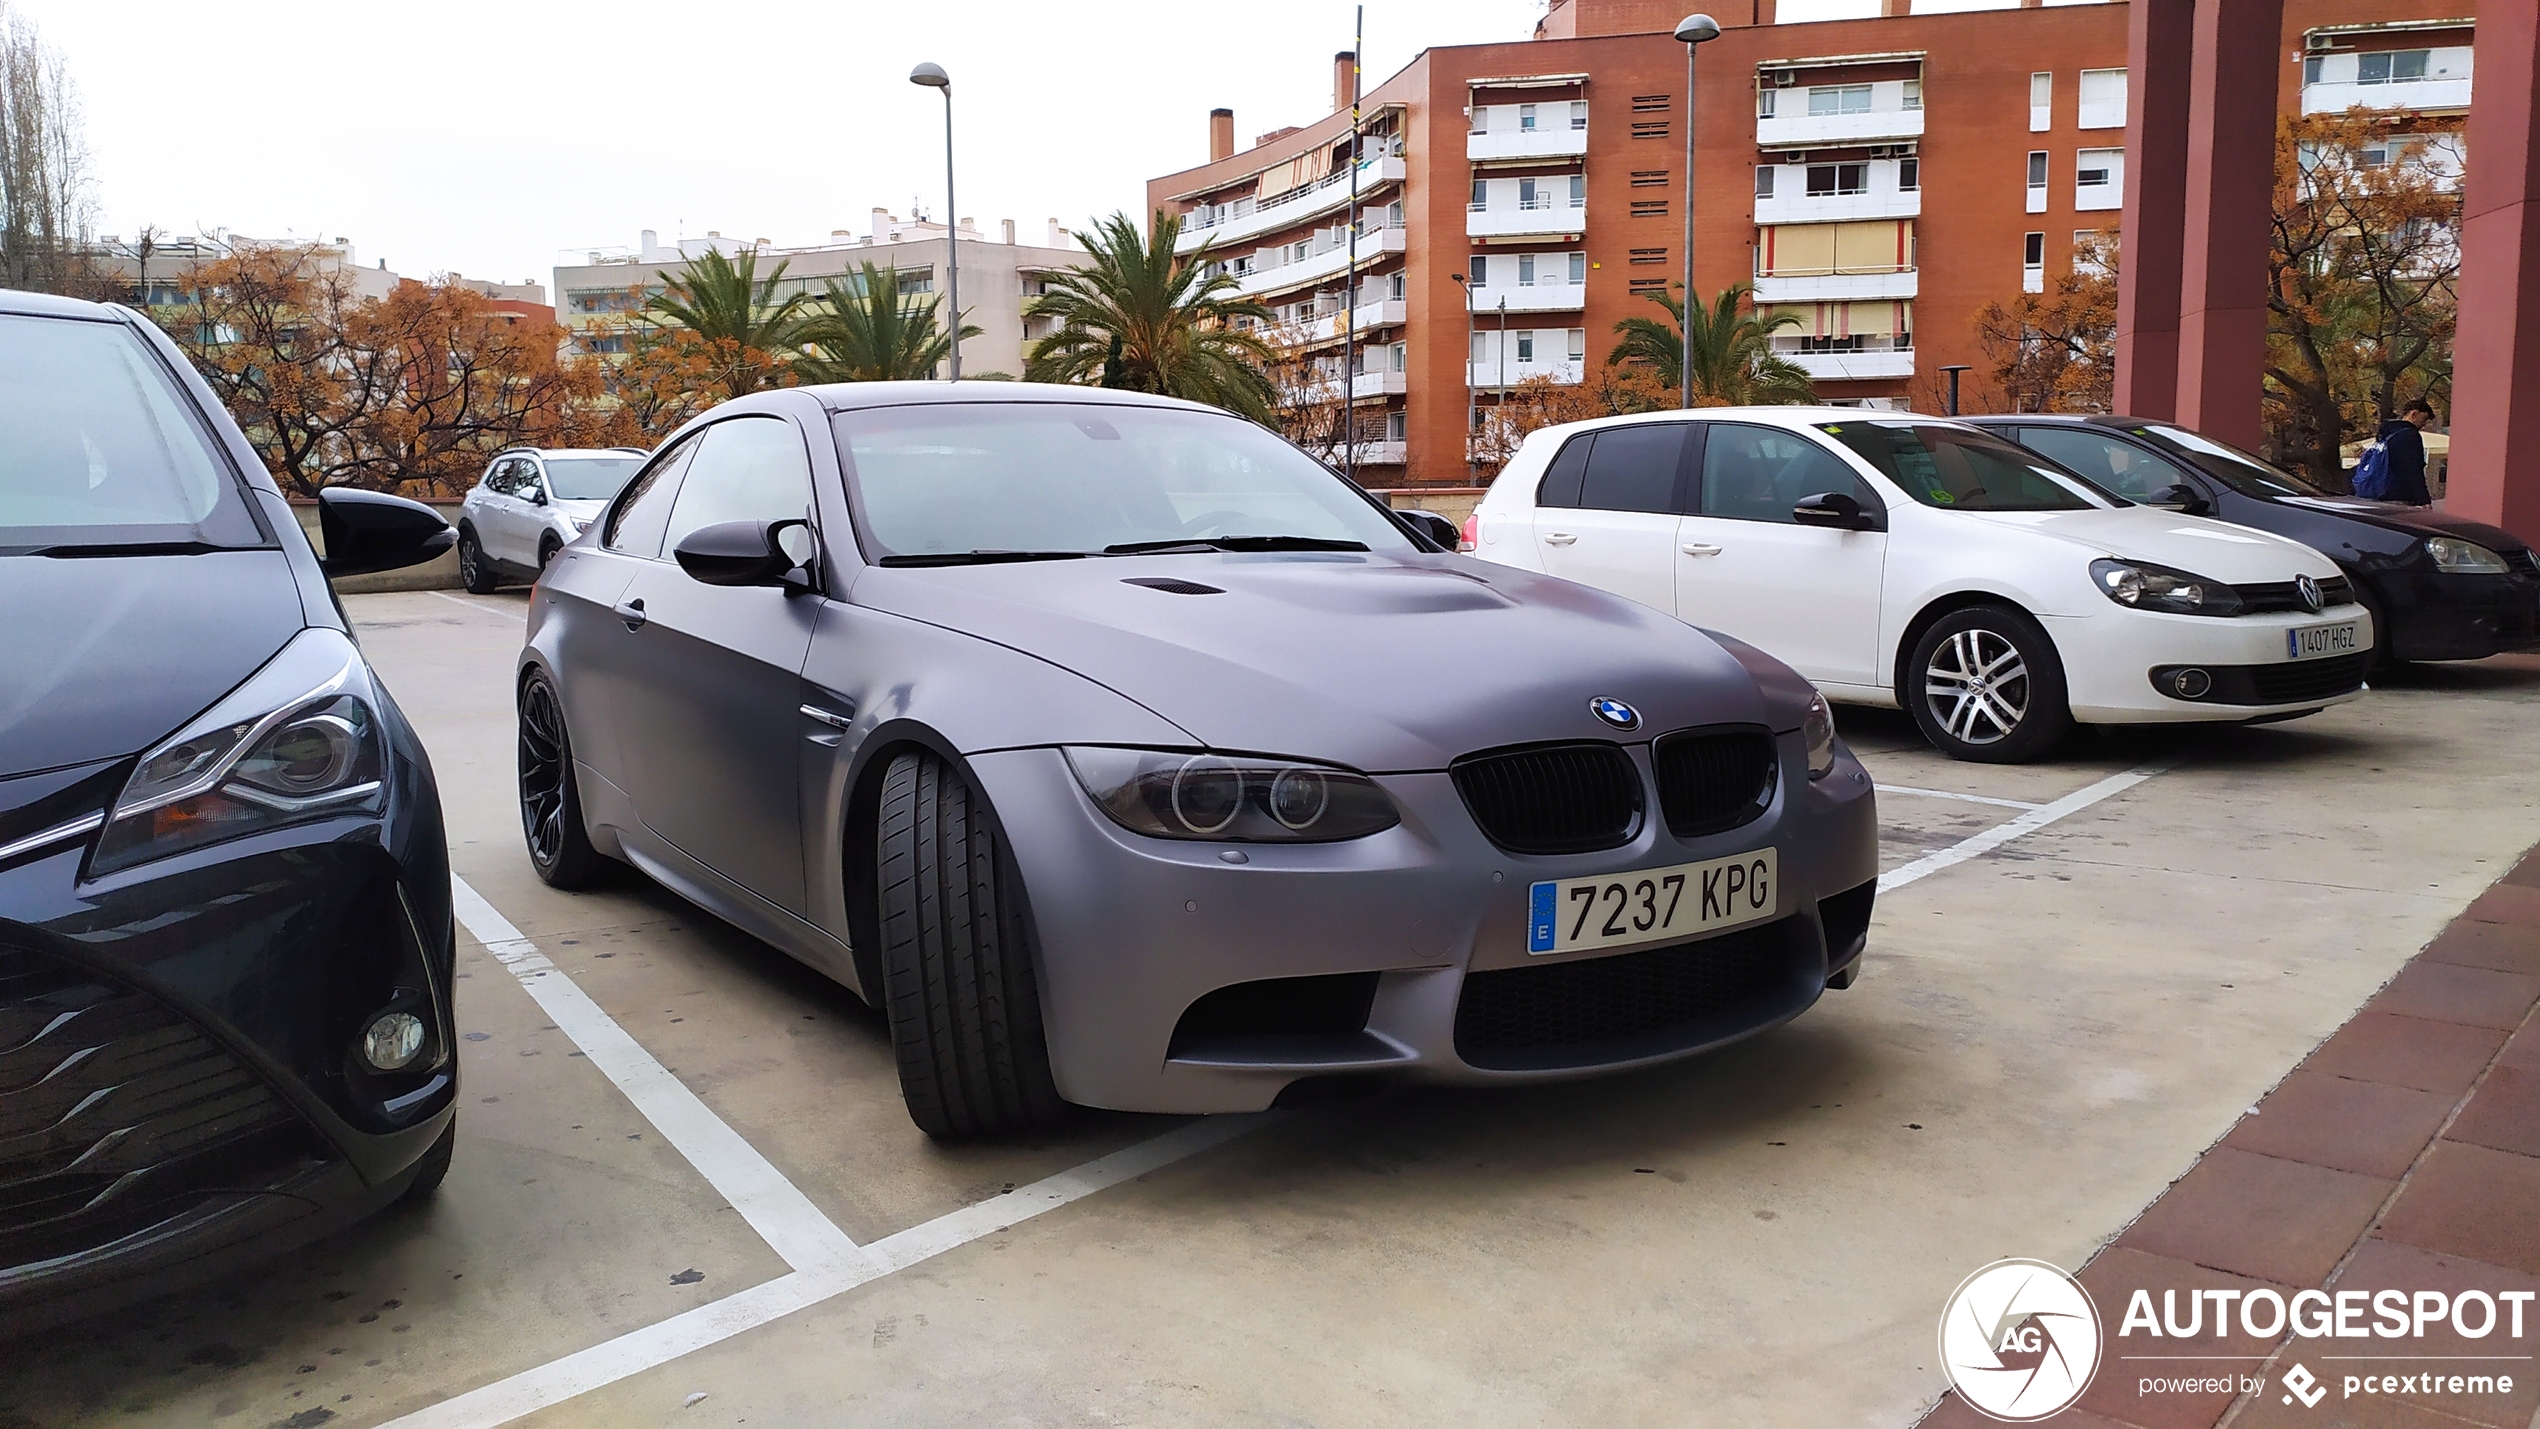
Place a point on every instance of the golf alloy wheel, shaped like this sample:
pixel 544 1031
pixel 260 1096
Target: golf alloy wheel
pixel 1977 686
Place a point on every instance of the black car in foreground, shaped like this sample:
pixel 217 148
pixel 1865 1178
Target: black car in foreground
pixel 2438 587
pixel 225 939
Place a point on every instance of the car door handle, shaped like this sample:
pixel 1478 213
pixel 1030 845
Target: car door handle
pixel 1559 538
pixel 1699 548
pixel 632 612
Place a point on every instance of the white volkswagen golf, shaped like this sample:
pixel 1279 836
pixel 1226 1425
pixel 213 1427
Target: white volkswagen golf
pixel 1903 560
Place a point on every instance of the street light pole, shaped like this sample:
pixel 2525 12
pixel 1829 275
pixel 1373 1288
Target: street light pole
pixel 932 76
pixel 1953 370
pixel 1349 274
pixel 1472 398
pixel 1693 32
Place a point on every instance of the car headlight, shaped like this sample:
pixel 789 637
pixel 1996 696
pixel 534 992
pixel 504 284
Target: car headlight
pixel 2140 585
pixel 2454 556
pixel 1230 798
pixel 1818 727
pixel 300 739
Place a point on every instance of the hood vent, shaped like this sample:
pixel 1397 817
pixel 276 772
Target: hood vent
pixel 1171 586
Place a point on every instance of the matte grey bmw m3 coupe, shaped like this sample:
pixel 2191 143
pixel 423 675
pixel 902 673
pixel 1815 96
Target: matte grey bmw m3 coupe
pixel 1126 756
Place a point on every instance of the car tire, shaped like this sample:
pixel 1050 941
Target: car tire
pixel 550 799
pixel 1986 685
pixel 548 545
pixel 434 1166
pixel 475 573
pixel 957 966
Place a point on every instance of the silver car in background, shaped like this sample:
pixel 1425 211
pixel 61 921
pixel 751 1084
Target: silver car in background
pixel 531 503
pixel 1126 756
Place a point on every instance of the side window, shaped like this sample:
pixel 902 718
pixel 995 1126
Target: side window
pixel 528 479
pixel 1759 473
pixel 2120 466
pixel 498 477
pixel 1560 485
pixel 1634 468
pixel 639 517
pixel 746 469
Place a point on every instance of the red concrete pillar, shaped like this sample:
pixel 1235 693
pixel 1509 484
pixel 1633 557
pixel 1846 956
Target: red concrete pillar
pixel 2158 55
pixel 2231 115
pixel 2495 465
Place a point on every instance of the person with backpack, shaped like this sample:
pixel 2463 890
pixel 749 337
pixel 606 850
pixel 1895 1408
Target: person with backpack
pixel 2393 468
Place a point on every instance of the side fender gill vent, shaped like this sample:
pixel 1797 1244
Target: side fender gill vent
pixel 1171 586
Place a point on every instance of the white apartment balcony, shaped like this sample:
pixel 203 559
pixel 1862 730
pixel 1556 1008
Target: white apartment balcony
pixel 1890 115
pixel 1547 143
pixel 2433 77
pixel 1316 267
pixel 1327 328
pixel 1880 364
pixel 1541 297
pixel 1486 374
pixel 1543 217
pixel 1367 384
pixel 1245 219
pixel 1834 287
pixel 2337 98
pixel 1792 203
pixel 1382 453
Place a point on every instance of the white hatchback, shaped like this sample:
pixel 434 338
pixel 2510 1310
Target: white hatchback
pixel 1913 561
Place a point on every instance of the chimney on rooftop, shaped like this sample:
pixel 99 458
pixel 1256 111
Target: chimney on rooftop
pixel 1344 79
pixel 1008 225
pixel 651 241
pixel 1221 135
pixel 1058 235
pixel 882 225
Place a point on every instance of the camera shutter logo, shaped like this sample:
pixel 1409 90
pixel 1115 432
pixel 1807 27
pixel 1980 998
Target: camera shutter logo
pixel 2020 1340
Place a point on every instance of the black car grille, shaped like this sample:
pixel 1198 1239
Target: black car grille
pixel 116 1112
pixel 1629 1005
pixel 2276 597
pixel 2299 680
pixel 1711 780
pixel 1552 798
pixel 2521 558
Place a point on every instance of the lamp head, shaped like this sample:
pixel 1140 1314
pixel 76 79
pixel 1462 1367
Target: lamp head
pixel 1697 28
pixel 931 75
pixel 1456 276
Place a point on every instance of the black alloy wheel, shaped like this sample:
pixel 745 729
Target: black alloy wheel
pixel 550 804
pixel 474 573
pixel 957 965
pixel 1985 685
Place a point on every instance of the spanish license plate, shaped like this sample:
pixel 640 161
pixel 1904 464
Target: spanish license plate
pixel 2313 642
pixel 1646 905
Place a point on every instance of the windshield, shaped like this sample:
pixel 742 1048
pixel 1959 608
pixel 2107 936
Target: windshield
pixel 1053 478
pixel 2226 463
pixel 99 448
pixel 588 478
pixel 1959 468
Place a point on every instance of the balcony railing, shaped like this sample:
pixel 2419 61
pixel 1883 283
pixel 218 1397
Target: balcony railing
pixel 1327 257
pixel 1800 131
pixel 2333 97
pixel 1221 224
pixel 1541 297
pixel 1526 144
pixel 1487 373
pixel 1541 216
pixel 1842 285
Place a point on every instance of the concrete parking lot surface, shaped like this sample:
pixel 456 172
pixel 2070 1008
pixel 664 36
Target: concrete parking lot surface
pixel 2050 1029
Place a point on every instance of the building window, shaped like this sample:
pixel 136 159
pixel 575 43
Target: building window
pixel 1394 214
pixel 1764 180
pixel 2099 178
pixel 2103 99
pixel 1525 119
pixel 1826 180
pixel 1826 99
pixel 1525 345
pixel 1481 341
pixel 1649 208
pixel 1525 270
pixel 1913 94
pixel 2041 101
pixel 1401 356
pixel 1649 178
pixel 1481 270
pixel 2311 70
pixel 1481 119
pixel 1396 288
pixel 1481 195
pixel 1578 191
pixel 2085 247
pixel 1578 344
pixel 1909 175
pixel 2391 66
pixel 1764 103
pixel 1649 255
pixel 1578 114
pixel 1528 197
pixel 2037 168
pixel 2090 175
pixel 1396 426
pixel 2033 251
pixel 1578 267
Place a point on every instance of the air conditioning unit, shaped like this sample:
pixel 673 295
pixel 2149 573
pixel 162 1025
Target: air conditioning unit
pixel 1878 151
pixel 1785 78
pixel 2319 42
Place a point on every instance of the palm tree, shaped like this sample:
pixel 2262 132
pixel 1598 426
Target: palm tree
pixel 1140 319
pixel 867 330
pixel 1734 364
pixel 737 313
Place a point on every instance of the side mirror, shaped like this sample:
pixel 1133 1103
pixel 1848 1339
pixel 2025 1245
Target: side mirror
pixel 537 495
pixel 2184 499
pixel 1437 528
pixel 746 553
pixel 370 531
pixel 1836 511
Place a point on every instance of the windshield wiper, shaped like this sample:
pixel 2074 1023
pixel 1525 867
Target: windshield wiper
pixel 1233 543
pixel 981 558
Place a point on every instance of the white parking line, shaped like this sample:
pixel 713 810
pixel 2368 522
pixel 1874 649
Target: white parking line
pixel 1964 798
pixel 826 1263
pixel 2027 823
pixel 472 605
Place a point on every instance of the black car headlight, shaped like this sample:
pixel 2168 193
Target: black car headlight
pixel 2454 556
pixel 1818 727
pixel 2140 585
pixel 1230 798
pixel 299 740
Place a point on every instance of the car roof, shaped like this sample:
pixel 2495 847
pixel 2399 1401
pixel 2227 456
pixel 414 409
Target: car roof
pixel 46 305
pixel 1790 416
pixel 572 451
pixel 850 396
pixel 2058 419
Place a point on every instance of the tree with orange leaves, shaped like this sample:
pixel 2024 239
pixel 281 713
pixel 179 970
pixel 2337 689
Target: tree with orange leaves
pixel 265 326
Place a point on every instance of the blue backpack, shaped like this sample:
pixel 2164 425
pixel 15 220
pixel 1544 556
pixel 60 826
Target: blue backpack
pixel 2371 480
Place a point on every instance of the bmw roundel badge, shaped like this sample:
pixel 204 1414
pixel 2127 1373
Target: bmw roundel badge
pixel 1614 712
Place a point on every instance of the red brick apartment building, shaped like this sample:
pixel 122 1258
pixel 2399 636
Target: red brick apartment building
pixel 1883 179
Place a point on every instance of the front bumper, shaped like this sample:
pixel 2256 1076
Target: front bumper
pixel 1400 955
pixel 178 1086
pixel 2109 658
pixel 2438 616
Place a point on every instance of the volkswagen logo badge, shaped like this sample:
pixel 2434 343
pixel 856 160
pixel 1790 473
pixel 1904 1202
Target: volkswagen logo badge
pixel 2309 590
pixel 1614 712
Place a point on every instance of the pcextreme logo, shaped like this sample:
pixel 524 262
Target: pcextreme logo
pixel 2020 1340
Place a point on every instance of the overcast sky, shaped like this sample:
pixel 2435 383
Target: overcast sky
pixel 490 138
